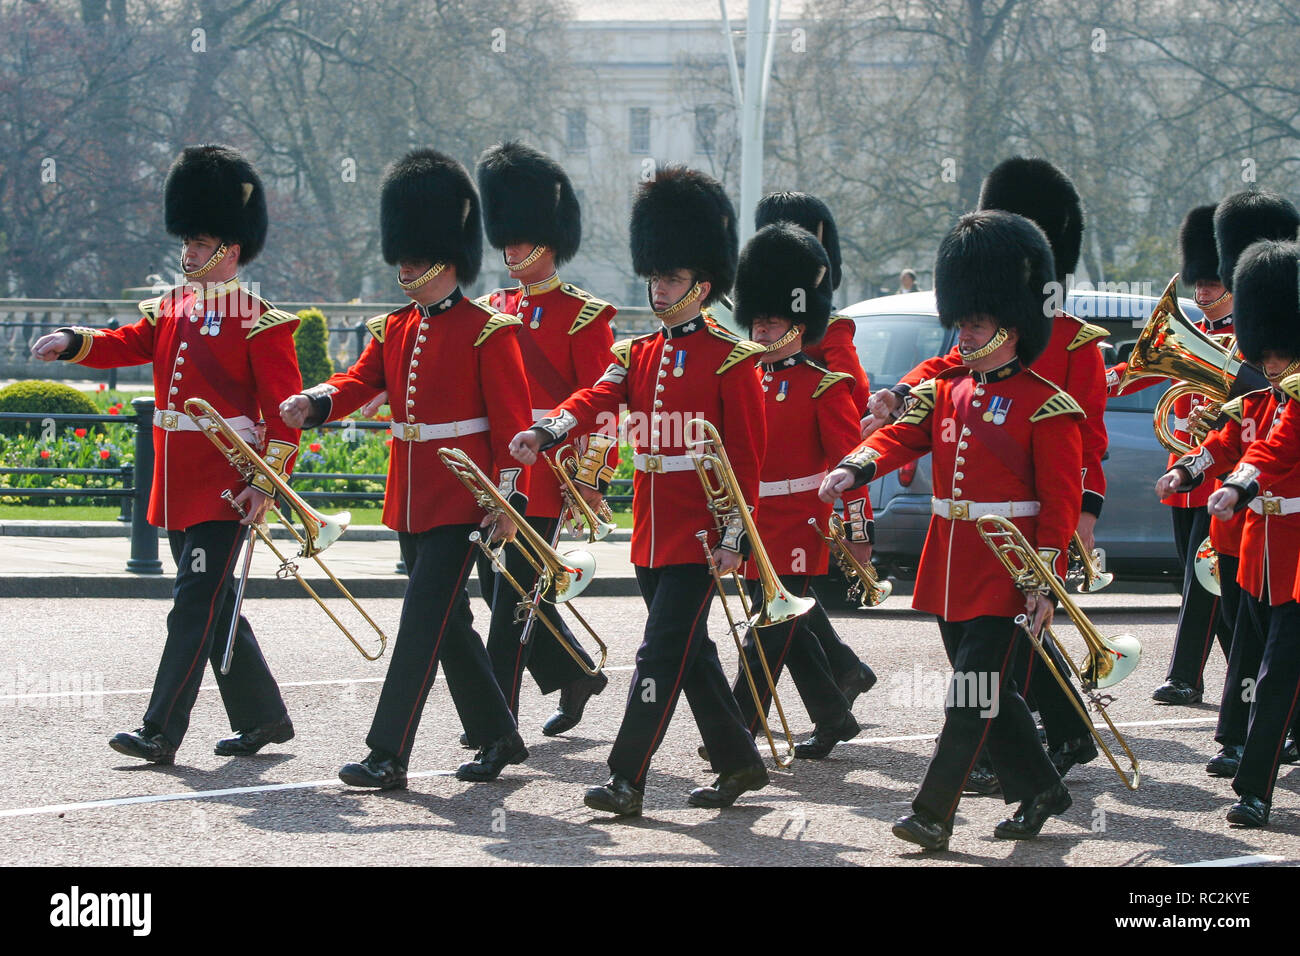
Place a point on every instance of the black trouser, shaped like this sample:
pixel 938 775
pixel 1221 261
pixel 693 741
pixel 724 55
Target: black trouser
pixel 843 662
pixel 678 656
pixel 1243 661
pixel 792 644
pixel 984 708
pixel 437 625
pixel 203 600
pixel 550 665
pixel 1276 693
pixel 1199 620
pixel 1044 693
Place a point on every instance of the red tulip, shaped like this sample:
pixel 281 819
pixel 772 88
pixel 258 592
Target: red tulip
pixel 104 453
pixel 114 410
pixel 79 432
pixel 314 446
pixel 102 386
pixel 45 453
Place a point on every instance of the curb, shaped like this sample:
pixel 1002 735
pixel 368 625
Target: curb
pixel 121 529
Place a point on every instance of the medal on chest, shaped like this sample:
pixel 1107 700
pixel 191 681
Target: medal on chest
pixel 679 363
pixel 211 324
pixel 781 392
pixel 536 321
pixel 998 408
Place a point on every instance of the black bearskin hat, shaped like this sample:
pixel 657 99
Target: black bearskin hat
pixel 1246 217
pixel 1039 191
pixel 527 198
pixel 781 273
pixel 429 211
pixel 683 219
pixel 213 190
pixel 1266 299
pixel 998 264
pixel 809 212
pixel 1200 257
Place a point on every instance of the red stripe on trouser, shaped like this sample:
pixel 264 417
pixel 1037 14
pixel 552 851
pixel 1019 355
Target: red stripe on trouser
pixel 1209 638
pixel 433 658
pixel 199 655
pixel 1011 645
pixel 681 671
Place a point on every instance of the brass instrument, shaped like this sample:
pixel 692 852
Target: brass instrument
pixel 319 530
pixel 599 521
pixel 865 585
pixel 1108 662
pixel 1206 568
pixel 726 501
pixel 563 577
pixel 1172 347
pixel 1087 566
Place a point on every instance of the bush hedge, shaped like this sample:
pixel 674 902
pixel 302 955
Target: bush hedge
pixel 312 341
pixel 39 397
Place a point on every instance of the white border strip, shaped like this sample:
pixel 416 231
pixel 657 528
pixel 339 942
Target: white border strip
pixel 1239 861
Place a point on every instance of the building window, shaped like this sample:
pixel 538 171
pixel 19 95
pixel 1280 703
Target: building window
pixel 706 125
pixel 575 138
pixel 638 129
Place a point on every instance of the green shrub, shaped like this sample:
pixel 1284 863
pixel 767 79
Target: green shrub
pixel 38 397
pixel 312 341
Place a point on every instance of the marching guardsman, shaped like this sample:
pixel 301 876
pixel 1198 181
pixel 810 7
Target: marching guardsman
pixel 684 241
pixel 1042 193
pixel 1266 287
pixel 1202 615
pixel 782 303
pixel 532 215
pixel 1004 441
pixel 837 353
pixel 455 369
pixel 213 339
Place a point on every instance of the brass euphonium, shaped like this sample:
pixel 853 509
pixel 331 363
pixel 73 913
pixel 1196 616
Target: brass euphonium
pixel 318 532
pixel 560 577
pixel 726 502
pixel 1172 347
pixel 865 585
pixel 1206 568
pixel 1109 660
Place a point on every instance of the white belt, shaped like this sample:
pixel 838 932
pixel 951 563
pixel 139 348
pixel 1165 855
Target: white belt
pixel 663 463
pixel 974 510
pixel 170 421
pixel 773 489
pixel 1271 505
pixel 414 431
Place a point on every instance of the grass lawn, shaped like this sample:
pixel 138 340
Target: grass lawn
pixel 360 516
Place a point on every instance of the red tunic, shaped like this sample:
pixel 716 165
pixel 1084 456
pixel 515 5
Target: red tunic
pixel 1073 361
pixel 719 383
pixel 1028 450
pixel 564 340
pixel 837 352
pixel 457 364
pixel 230 348
pixel 812 423
pixel 1269 544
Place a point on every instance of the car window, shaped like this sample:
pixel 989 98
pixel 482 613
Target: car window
pixel 890 346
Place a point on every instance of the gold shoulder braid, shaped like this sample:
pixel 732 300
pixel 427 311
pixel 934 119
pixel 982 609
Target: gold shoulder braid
pixel 270 319
pixel 742 350
pixel 1087 333
pixel 1059 404
pixel 829 379
pixel 498 321
pixel 919 403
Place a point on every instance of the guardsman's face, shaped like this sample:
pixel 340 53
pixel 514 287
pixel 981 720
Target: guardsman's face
pixel 667 287
pixel 974 332
pixel 408 270
pixel 767 329
pixel 1208 290
pixel 197 250
pixel 517 252
pixel 1275 363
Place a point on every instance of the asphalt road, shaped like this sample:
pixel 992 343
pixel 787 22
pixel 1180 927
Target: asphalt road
pixel 74 672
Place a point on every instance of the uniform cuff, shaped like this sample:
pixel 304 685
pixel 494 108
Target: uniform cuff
pixel 859 527
pixel 507 484
pixel 593 471
pixel 1092 503
pixel 554 428
pixel 277 456
pixel 1245 481
pixel 82 339
pixel 734 538
pixel 322 404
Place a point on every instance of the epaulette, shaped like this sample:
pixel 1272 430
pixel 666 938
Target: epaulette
pixel 829 379
pixel 149 308
pixel 498 321
pixel 378 326
pixel 1059 404
pixel 483 301
pixel 591 308
pixel 919 403
pixel 1291 386
pixel 269 320
pixel 1087 333
pixel 837 317
pixel 622 350
pixel 741 348
pixel 1234 409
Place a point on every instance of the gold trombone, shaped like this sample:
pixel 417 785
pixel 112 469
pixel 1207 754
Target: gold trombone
pixel 319 530
pixel 1087 566
pixel 1108 662
pixel 562 576
pixel 865 585
pixel 726 502
pixel 598 521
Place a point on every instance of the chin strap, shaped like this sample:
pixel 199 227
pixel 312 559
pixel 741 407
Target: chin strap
pixel 783 341
pixel 208 266
pixel 1289 370
pixel 435 270
pixel 529 259
pixel 999 339
pixel 676 308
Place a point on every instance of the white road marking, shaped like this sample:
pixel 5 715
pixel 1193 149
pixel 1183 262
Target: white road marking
pixel 309 784
pixel 1239 861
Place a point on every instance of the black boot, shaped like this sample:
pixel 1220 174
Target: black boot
pixel 923 830
pixel 1176 692
pixel 1249 812
pixel 616 796
pixel 141 743
pixel 378 772
pixel 1078 751
pixel 824 738
pixel 245 743
pixel 1025 823
pixel 573 701
pixel 724 791
pixel 1225 762
pixel 856 682
pixel 489 762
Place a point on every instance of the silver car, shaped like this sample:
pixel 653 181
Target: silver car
pixel 896 333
